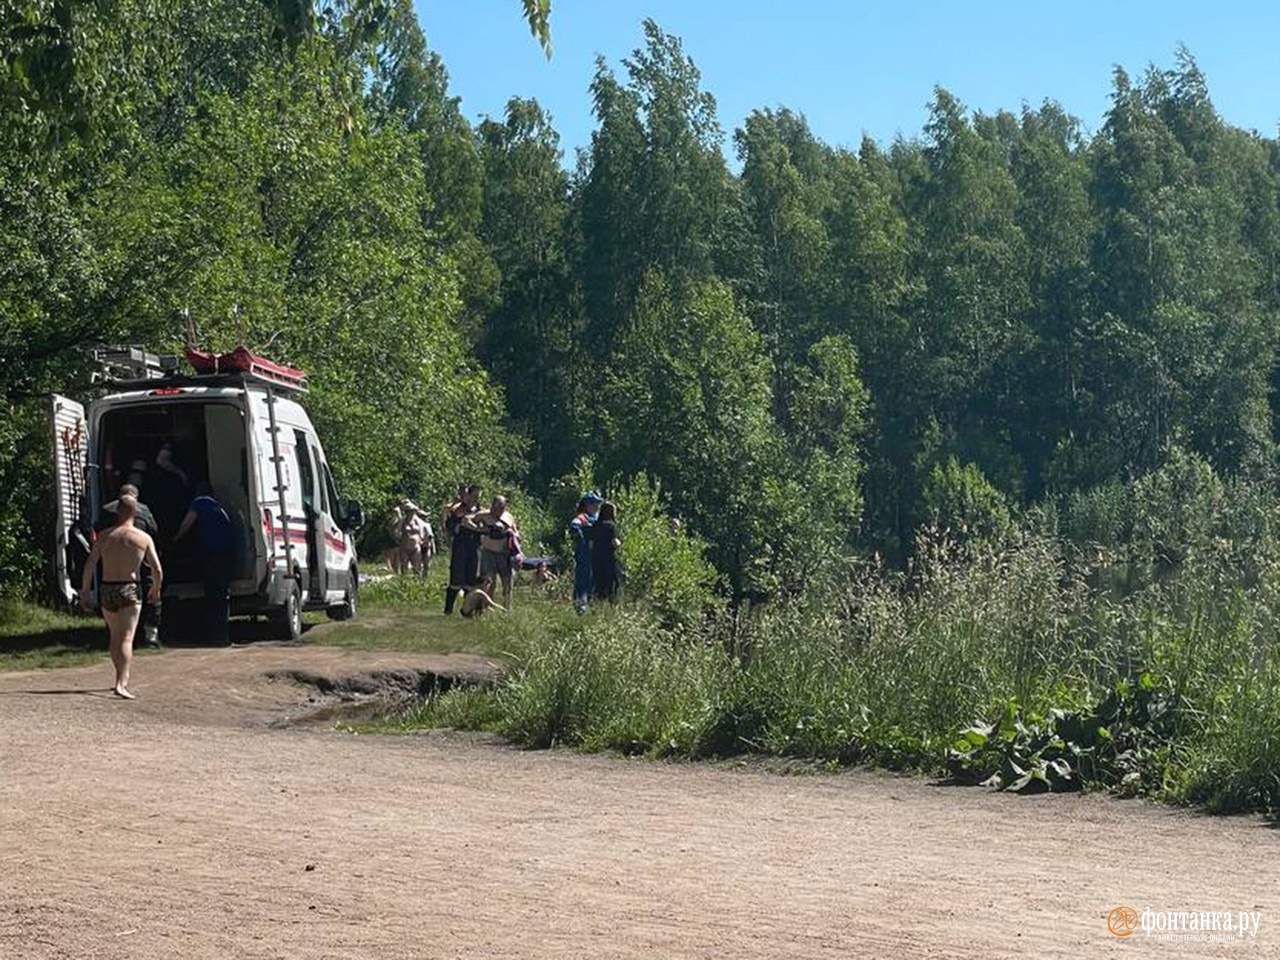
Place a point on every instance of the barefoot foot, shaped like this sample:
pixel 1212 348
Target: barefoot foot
pixel 124 694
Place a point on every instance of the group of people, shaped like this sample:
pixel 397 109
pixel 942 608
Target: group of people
pixel 413 539
pixel 483 545
pixel 597 570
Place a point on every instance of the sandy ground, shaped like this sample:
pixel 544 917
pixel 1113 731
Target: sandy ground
pixel 193 824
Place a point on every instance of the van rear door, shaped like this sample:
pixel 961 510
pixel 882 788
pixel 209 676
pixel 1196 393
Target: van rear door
pixel 70 494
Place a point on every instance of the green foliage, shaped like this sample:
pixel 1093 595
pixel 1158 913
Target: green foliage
pixel 1004 322
pixel 247 184
pixel 24 504
pixel 960 499
pixel 666 567
pixel 1123 742
pixel 1169 692
pixel 689 402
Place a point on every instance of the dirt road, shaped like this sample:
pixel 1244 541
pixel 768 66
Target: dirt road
pixel 191 825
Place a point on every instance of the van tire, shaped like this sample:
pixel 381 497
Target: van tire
pixel 346 610
pixel 287 618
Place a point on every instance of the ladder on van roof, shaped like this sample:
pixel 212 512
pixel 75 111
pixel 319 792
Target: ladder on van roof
pixel 277 458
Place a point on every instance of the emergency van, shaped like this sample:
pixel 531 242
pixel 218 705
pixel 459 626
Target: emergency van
pixel 237 429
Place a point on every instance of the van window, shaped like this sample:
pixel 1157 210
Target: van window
pixel 305 472
pixel 331 489
pixel 324 491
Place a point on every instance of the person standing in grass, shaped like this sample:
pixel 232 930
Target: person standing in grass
pixel 464 551
pixel 498 541
pixel 606 573
pixel 395 520
pixel 416 541
pixel 122 550
pixel 447 521
pixel 579 531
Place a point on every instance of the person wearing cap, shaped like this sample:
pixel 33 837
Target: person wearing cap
pixel 580 532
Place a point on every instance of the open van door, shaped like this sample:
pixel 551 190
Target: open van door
pixel 70 494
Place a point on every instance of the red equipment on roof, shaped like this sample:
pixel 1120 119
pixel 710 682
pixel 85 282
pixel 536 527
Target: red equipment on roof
pixel 240 360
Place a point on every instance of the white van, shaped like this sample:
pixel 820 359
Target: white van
pixel 245 437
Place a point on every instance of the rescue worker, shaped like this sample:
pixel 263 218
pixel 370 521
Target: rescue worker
pixel 464 552
pixel 579 531
pixel 214 530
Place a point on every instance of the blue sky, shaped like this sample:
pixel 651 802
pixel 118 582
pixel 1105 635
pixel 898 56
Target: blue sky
pixel 855 67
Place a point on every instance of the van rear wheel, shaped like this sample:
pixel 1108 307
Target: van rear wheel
pixel 287 618
pixel 346 610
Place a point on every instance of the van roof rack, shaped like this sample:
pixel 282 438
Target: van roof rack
pixel 134 368
pixel 235 380
pixel 132 363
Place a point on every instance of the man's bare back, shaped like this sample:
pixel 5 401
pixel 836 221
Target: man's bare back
pixel 122 550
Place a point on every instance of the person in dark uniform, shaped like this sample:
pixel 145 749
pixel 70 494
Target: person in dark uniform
pixel 464 550
pixel 606 574
pixel 171 484
pixel 213 528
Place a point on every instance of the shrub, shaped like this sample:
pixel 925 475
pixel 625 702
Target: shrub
pixel 960 499
pixel 665 566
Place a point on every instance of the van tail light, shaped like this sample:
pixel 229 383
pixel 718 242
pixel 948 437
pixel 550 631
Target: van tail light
pixel 268 527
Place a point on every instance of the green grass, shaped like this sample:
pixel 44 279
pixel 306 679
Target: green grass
pixel 400 614
pixel 407 614
pixel 34 637
pixel 462 708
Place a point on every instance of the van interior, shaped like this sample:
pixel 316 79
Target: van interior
pixel 173 452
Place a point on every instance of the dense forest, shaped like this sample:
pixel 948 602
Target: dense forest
pixel 814 352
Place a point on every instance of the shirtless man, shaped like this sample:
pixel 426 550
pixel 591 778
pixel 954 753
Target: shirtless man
pixel 122 550
pixel 497 526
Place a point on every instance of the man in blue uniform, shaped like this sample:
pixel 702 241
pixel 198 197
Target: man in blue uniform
pixel 213 528
pixel 588 510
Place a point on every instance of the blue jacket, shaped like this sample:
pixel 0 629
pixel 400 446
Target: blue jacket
pixel 581 546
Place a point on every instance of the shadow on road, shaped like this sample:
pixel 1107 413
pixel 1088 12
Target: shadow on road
pixel 62 642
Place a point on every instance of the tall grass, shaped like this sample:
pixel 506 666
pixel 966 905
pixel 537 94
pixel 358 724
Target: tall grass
pixel 893 668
